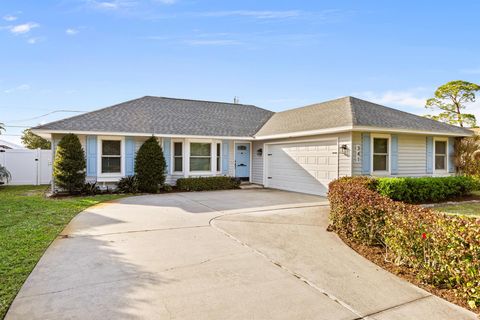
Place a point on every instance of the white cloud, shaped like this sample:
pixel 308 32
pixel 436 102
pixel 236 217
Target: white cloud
pixel 111 5
pixel 267 14
pixel 22 87
pixel 23 28
pixel 213 42
pixel 414 98
pixel 9 17
pixel 34 40
pixel 71 31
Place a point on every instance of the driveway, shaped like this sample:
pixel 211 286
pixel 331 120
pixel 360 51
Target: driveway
pixel 243 254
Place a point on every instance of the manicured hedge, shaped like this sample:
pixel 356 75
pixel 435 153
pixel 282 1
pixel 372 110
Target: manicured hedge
pixel 207 183
pixel 427 189
pixel 443 250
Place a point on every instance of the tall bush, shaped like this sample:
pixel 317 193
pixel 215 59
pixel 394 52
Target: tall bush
pixel 69 165
pixel 150 166
pixel 443 250
pixel 467 155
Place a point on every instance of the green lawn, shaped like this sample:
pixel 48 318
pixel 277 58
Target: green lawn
pixel 28 224
pixel 465 209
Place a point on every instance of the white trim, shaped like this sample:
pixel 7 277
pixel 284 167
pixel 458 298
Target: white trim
pixel 304 133
pixel 112 175
pixel 444 171
pixel 235 159
pixel 419 132
pixel 389 154
pixel 41 132
pixel 172 157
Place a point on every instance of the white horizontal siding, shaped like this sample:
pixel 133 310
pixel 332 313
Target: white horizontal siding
pixel 257 162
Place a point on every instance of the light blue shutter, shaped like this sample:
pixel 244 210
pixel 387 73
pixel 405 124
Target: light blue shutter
pixel 429 155
pixel 167 153
pixel 91 156
pixel 394 155
pixel 366 153
pixel 225 154
pixel 451 155
pixel 129 156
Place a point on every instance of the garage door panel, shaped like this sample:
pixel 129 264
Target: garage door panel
pixel 302 167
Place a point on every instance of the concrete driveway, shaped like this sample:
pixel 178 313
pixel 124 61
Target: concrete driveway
pixel 243 254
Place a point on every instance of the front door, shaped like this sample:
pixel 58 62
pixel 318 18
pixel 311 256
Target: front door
pixel 242 161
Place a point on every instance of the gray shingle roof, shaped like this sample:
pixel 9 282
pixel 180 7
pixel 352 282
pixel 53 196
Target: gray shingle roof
pixel 351 112
pixel 169 116
pixel 206 118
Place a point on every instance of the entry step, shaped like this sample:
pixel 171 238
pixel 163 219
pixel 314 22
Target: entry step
pixel 247 185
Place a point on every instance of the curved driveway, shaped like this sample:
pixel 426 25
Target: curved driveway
pixel 243 254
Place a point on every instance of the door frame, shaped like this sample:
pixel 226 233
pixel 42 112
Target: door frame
pixel 267 144
pixel 235 142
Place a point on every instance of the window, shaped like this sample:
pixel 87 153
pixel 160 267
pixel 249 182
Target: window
pixel 219 147
pixel 177 157
pixel 111 156
pixel 380 154
pixel 200 156
pixel 440 155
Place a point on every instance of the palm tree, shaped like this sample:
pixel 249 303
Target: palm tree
pixel 5 175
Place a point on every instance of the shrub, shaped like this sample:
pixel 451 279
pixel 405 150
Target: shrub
pixel 128 185
pixel 427 189
pixel 167 188
pixel 207 183
pixel 90 189
pixel 150 166
pixel 443 250
pixel 69 164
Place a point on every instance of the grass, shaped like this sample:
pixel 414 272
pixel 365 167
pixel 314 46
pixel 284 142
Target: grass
pixel 463 209
pixel 29 222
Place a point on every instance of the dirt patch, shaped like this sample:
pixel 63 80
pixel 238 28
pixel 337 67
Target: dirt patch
pixel 377 256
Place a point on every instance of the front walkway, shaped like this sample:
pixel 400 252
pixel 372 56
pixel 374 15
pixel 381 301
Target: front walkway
pixel 243 254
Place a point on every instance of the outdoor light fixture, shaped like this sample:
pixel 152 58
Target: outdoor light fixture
pixel 344 149
pixel 259 152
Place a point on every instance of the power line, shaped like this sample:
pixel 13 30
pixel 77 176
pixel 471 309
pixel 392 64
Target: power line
pixel 44 115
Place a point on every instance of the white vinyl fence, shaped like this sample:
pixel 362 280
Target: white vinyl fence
pixel 27 166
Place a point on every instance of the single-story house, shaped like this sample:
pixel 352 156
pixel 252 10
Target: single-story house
pixel 301 149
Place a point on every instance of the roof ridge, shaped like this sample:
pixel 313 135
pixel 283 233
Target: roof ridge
pixel 198 100
pixel 407 113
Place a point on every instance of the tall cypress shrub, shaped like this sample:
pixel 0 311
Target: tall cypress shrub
pixel 69 165
pixel 150 166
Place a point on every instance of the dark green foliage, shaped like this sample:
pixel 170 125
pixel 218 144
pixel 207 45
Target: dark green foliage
pixel 90 189
pixel 207 183
pixel 150 166
pixel 167 188
pixel 128 185
pixel 427 189
pixel 69 164
pixel 442 250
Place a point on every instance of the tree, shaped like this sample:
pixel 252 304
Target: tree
pixel 5 175
pixel 150 166
pixel 69 165
pixel 467 155
pixel 33 141
pixel 451 98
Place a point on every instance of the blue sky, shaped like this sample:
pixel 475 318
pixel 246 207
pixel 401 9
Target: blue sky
pixel 81 55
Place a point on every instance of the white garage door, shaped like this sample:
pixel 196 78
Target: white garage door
pixel 305 167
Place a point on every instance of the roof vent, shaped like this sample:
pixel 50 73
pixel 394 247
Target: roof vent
pixel 236 100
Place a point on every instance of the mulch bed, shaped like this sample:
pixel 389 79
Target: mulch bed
pixel 377 256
